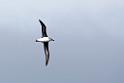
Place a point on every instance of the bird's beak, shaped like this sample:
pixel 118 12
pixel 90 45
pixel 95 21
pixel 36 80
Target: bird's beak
pixel 52 39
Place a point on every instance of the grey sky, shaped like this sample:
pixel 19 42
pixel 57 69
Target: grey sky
pixel 88 46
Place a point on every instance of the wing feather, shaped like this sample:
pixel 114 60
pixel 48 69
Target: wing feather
pixel 46 50
pixel 44 33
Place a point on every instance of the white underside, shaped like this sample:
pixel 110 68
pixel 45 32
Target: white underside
pixel 44 39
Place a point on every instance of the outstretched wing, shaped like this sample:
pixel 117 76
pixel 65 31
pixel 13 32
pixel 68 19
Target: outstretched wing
pixel 44 33
pixel 46 50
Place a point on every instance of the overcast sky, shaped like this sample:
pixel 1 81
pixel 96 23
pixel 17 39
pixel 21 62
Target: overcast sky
pixel 88 46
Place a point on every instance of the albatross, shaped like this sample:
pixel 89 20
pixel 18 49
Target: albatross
pixel 45 40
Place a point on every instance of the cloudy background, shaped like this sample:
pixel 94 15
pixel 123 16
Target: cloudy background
pixel 88 46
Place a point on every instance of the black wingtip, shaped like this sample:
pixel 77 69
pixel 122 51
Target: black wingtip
pixel 46 63
pixel 39 20
pixel 41 23
pixel 47 60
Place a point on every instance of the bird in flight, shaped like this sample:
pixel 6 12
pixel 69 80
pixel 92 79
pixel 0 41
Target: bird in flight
pixel 45 40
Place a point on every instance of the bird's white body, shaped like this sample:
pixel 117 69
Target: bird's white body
pixel 44 39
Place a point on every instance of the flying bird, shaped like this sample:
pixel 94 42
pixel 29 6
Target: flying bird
pixel 45 40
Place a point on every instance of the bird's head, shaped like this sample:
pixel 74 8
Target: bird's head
pixel 51 39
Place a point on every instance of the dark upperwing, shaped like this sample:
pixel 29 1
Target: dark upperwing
pixel 46 50
pixel 44 34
